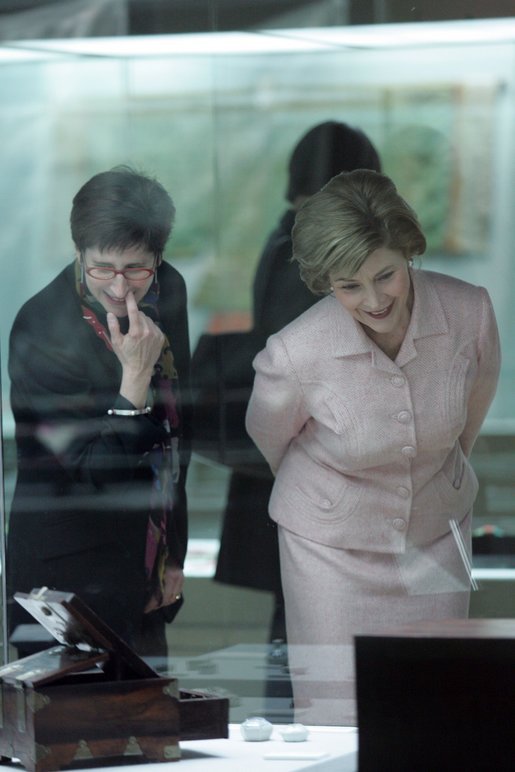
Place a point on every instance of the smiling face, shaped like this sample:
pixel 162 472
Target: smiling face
pixel 379 294
pixel 112 293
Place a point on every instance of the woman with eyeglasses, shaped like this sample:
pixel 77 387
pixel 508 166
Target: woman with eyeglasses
pixel 99 369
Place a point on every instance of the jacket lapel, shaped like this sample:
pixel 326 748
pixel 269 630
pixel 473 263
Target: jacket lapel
pixel 427 317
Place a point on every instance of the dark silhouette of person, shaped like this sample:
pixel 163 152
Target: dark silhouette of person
pixel 249 555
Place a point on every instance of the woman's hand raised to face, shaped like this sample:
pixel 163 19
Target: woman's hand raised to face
pixel 138 351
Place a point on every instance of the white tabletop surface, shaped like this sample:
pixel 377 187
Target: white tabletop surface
pixel 327 749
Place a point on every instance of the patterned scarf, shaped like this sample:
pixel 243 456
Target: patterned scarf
pixel 164 457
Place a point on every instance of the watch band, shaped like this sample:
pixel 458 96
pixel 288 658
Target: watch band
pixel 117 411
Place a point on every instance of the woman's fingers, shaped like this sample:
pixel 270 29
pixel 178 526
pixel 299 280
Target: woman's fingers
pixel 133 312
pixel 140 348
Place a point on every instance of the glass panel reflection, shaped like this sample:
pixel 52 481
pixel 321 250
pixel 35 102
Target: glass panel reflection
pixel 217 128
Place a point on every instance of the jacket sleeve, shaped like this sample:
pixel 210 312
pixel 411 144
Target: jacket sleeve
pixel 178 333
pixel 485 385
pixel 276 413
pixel 61 416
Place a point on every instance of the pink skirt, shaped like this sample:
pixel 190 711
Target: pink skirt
pixel 332 594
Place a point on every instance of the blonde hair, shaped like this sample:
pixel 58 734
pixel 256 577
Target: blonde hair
pixel 349 218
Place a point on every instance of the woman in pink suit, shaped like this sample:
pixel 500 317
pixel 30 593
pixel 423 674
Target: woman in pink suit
pixel 367 407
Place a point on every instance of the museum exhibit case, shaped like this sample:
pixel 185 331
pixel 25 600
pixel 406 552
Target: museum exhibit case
pixel 214 117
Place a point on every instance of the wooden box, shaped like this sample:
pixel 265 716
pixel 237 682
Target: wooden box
pixel 91 700
pixel 437 697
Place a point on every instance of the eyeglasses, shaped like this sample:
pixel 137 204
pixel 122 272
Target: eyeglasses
pixel 130 274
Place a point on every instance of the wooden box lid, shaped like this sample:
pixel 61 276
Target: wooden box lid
pixel 73 624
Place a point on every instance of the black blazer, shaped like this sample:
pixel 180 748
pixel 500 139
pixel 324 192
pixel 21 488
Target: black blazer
pixel 248 554
pixel 80 509
pixel 279 294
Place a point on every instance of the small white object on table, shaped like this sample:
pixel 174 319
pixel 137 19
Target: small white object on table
pixel 327 749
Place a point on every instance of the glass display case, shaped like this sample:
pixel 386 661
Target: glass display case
pixel 214 117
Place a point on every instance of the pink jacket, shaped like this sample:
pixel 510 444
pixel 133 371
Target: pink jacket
pixel 368 453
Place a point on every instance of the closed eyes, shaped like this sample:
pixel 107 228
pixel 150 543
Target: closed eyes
pixel 351 287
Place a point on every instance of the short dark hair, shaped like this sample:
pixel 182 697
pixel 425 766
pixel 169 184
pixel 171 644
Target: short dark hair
pixel 324 151
pixel 122 208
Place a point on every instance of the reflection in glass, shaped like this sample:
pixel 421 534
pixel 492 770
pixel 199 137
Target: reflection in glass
pixel 217 126
pixel 3 642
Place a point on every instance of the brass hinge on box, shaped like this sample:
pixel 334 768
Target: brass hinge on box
pixel 83 752
pixel 20 707
pixel 36 701
pixel 42 751
pixel 133 748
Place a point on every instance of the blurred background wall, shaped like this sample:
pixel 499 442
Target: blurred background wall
pixel 210 96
